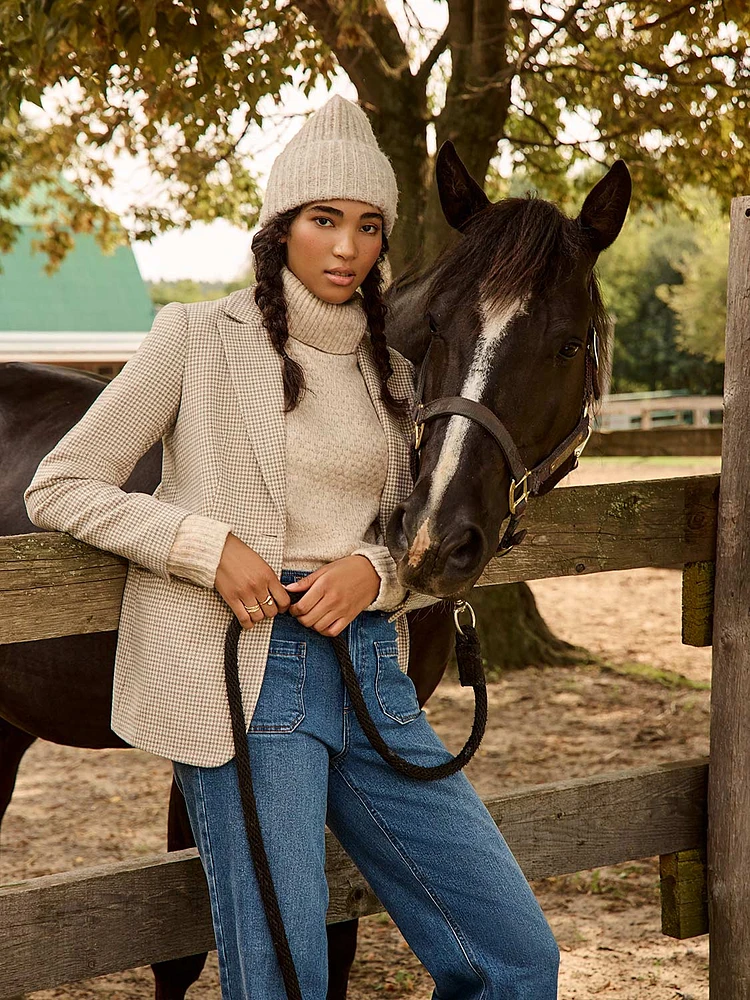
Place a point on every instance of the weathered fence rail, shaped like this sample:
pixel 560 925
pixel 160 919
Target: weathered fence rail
pixel 663 441
pixel 53 585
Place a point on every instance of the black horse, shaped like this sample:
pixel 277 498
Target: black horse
pixel 509 310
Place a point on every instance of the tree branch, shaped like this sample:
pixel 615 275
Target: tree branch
pixel 372 54
pixel 662 20
pixel 423 73
pixel 542 42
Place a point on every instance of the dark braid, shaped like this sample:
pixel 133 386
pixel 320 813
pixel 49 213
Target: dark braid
pixel 270 257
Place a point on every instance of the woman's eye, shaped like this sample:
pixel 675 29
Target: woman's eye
pixel 375 229
pixel 322 218
pixel 569 350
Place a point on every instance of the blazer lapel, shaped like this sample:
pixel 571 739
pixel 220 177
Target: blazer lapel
pixel 256 373
pixel 398 477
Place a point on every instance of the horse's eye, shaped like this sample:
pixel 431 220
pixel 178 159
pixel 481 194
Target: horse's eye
pixel 433 324
pixel 570 350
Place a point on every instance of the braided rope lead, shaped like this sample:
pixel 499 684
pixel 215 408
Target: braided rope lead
pixel 470 673
pixel 250 813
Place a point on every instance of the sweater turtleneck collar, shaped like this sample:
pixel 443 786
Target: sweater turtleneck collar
pixel 336 328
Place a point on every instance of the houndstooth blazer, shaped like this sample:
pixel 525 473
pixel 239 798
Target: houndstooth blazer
pixel 203 380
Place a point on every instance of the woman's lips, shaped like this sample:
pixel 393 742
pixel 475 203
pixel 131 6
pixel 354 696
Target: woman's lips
pixel 340 279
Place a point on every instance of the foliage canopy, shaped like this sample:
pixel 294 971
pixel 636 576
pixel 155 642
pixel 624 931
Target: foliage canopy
pixel 177 84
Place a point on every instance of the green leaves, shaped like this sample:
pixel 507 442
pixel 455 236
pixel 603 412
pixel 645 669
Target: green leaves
pixel 171 83
pixel 175 84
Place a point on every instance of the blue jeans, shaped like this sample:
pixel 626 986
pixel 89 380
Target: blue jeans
pixel 429 849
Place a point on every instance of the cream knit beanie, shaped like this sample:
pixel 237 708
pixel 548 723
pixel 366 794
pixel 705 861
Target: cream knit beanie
pixel 334 155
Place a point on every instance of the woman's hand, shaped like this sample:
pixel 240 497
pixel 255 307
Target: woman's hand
pixel 336 593
pixel 244 577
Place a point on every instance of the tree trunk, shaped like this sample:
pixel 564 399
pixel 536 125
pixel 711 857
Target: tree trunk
pixel 403 138
pixel 513 634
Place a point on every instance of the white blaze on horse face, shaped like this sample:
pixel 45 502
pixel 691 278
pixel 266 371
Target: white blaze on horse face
pixel 495 324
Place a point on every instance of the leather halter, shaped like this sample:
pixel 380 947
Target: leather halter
pixel 525 483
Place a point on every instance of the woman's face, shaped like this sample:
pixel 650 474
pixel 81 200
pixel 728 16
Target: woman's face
pixel 338 236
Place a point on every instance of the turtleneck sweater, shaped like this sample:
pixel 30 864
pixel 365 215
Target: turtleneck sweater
pixel 336 455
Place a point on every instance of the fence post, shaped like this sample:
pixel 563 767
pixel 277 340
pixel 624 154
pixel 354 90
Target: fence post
pixel 729 769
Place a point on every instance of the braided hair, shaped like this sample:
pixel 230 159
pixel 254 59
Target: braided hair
pixel 270 257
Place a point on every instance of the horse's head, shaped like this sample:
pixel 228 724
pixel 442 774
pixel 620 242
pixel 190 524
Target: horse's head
pixel 508 314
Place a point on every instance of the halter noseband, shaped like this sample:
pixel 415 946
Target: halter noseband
pixel 524 483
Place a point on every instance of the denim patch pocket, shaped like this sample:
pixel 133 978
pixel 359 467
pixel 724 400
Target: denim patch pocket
pixel 281 707
pixel 395 689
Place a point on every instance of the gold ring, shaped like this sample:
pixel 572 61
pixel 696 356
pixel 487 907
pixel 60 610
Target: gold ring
pixel 268 600
pixel 255 607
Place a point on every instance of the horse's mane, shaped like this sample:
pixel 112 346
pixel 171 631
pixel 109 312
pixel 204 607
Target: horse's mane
pixel 514 248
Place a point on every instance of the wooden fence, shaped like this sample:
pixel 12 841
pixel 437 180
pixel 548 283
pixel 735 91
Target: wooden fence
pixel 667 441
pixel 652 409
pixel 63 928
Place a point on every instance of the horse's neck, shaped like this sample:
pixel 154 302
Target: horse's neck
pixel 406 328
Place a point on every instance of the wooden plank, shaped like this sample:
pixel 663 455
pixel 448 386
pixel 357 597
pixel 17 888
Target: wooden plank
pixel 52 585
pixel 657 441
pixel 592 529
pixel 654 404
pixel 684 894
pixel 729 788
pixel 94 921
pixel 698 603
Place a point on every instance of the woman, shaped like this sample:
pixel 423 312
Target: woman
pixel 284 420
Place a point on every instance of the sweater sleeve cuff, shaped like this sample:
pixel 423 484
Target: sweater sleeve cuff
pixel 196 551
pixel 391 592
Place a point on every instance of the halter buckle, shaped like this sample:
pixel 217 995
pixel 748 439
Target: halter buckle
pixel 515 502
pixel 418 429
pixel 460 607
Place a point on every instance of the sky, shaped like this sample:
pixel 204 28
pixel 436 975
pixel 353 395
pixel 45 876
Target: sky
pixel 220 251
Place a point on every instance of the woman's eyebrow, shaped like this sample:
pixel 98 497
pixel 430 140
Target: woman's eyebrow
pixel 340 214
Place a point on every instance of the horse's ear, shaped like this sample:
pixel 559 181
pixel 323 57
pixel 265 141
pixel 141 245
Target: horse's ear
pixel 605 207
pixel 460 195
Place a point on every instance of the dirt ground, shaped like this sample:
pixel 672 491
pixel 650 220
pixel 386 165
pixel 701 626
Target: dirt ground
pixel 80 808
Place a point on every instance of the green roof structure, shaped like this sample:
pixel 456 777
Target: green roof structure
pixel 91 291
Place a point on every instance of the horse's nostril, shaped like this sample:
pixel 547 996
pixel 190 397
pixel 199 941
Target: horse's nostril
pixel 396 534
pixel 463 549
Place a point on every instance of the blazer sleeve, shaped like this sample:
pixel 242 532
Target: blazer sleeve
pixel 76 487
pixel 411 602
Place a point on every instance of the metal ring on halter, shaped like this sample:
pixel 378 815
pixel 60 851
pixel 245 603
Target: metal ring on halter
pixel 459 608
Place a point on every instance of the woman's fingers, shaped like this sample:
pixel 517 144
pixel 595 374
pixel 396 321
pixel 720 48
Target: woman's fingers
pixel 243 616
pixel 322 623
pixel 254 608
pixel 338 626
pixel 280 595
pixel 251 608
